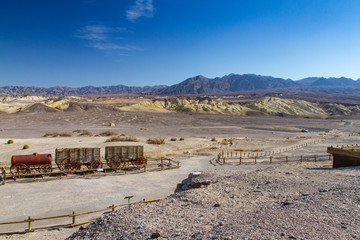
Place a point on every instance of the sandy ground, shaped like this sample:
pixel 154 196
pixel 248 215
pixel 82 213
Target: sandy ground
pixel 67 195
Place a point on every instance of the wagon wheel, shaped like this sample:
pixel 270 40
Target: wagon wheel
pixel 117 162
pixel 95 164
pixel 46 169
pixel 19 169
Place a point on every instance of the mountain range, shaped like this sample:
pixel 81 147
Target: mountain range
pixel 231 83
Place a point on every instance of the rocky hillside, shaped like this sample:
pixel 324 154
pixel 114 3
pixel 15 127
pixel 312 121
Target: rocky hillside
pixel 67 91
pixel 267 105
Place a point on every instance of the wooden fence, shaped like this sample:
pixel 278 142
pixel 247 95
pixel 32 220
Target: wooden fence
pixel 72 218
pixel 151 165
pixel 232 158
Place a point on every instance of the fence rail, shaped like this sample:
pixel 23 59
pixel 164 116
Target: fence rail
pixel 232 159
pixel 72 215
pixel 151 165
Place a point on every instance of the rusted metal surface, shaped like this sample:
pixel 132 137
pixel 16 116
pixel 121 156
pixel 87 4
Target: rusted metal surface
pixel 74 158
pixel 345 155
pixel 121 157
pixel 34 159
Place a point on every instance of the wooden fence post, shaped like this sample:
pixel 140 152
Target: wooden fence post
pixel 301 158
pixel 315 158
pixel 240 160
pixel 255 160
pixel 287 158
pixel 73 218
pixel 29 224
pixel 113 207
pixel 270 159
pixel 224 160
pixel 162 162
pixel 144 167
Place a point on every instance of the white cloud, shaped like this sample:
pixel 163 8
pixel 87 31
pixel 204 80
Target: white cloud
pixel 96 32
pixel 141 8
pixel 109 46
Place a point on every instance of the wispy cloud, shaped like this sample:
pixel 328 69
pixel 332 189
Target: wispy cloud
pixel 102 37
pixel 141 8
pixel 97 32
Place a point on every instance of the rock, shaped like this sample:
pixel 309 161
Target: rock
pixel 185 187
pixel 221 223
pixel 155 235
pixel 285 203
pixel 216 205
pixel 206 183
pixel 322 190
pixel 196 185
pixel 111 124
pixel 194 174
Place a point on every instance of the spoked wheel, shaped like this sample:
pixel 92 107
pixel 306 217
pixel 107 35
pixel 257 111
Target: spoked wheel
pixel 69 165
pixel 46 169
pixel 139 163
pixel 95 164
pixel 18 170
pixel 117 162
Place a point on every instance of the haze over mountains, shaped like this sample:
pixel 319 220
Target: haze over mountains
pixel 231 83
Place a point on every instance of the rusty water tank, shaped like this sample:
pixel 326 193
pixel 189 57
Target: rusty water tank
pixel 34 159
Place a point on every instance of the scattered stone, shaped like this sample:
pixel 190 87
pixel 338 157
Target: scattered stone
pixel 196 185
pixel 155 235
pixel 216 205
pixel 221 223
pixel 111 124
pixel 285 203
pixel 322 190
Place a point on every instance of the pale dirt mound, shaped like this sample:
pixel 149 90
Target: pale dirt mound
pixel 276 106
pixel 38 108
pixel 74 107
pixel 60 104
pixel 188 105
pixel 339 109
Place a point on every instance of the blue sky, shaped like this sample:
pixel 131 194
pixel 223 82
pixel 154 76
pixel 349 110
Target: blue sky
pixel 151 42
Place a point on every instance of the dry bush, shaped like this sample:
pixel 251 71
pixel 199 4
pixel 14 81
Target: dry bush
pixel 174 139
pixel 225 142
pixel 301 136
pixel 10 141
pixel 213 148
pixel 181 139
pixel 170 154
pixel 122 139
pixel 257 150
pixel 26 146
pixel 57 134
pixel 157 141
pixel 213 139
pixel 107 134
pixel 240 150
pixel 144 129
pixel 83 132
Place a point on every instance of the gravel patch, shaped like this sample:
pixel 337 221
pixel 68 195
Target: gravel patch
pixel 290 201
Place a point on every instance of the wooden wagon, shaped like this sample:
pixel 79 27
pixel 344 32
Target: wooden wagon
pixel 74 158
pixel 122 157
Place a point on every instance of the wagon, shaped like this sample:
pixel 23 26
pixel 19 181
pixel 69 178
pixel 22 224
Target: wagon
pixel 74 158
pixel 122 157
pixel 25 164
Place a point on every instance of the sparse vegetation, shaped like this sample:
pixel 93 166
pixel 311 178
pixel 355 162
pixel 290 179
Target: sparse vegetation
pixel 240 150
pixel 26 146
pixel 10 141
pixel 181 139
pixel 257 150
pixel 156 141
pixel 213 148
pixel 107 134
pixel 170 154
pixel 122 139
pixel 174 139
pixel 225 142
pixel 143 128
pixel 214 139
pixel 83 132
pixel 57 134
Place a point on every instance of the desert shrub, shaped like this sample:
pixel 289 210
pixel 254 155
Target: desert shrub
pixel 225 142
pixel 213 148
pixel 122 139
pixel 301 136
pixel 56 134
pixel 213 139
pixel 257 150
pixel 107 134
pixel 170 154
pixel 26 146
pixel 83 132
pixel 240 150
pixel 10 141
pixel 336 136
pixel 157 141
pixel 186 152
pixel 181 139
pixel 144 129
pixel 173 139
